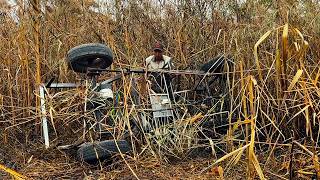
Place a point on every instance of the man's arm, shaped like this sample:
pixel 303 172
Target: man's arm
pixel 147 62
pixel 168 63
pixel 171 66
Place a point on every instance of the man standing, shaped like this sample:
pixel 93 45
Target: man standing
pixel 158 61
pixel 160 82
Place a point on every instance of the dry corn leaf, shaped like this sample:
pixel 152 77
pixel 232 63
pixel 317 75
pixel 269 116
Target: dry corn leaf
pixel 305 172
pixel 257 166
pixel 285 52
pixel 306 107
pixel 285 34
pixel 236 125
pixel 193 119
pixel 239 122
pixel 307 101
pixel 253 80
pixel 299 33
pixel 237 158
pixel 314 82
pixel 51 111
pixel 12 172
pixel 247 121
pixel 196 117
pixel 231 154
pixel 295 79
pixel 252 156
pixel 279 71
pixel 297 46
pixel 256 53
pixel 316 165
pixel 273 123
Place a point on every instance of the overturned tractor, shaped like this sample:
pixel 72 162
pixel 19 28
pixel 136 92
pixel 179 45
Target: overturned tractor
pixel 163 107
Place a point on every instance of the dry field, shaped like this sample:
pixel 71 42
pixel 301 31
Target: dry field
pixel 273 97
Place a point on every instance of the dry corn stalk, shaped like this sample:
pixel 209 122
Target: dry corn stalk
pixel 256 53
pixel 13 173
pixel 252 157
pixel 285 54
pixel 35 13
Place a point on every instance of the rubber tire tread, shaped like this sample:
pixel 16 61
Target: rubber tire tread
pixel 105 150
pixel 78 56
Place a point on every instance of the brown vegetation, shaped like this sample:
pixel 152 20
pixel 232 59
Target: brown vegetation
pixel 274 90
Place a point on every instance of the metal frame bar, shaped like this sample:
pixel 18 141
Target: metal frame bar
pixel 44 121
pixel 50 84
pixel 43 116
pixel 42 93
pixel 63 85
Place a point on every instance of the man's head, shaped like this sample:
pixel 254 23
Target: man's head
pixel 158 50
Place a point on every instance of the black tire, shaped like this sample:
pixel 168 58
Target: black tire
pixel 214 65
pixel 92 55
pixel 104 149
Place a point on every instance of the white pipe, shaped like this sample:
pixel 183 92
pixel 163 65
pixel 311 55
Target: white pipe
pixel 44 117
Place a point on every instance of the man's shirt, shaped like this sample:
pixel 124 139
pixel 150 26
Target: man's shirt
pixel 151 64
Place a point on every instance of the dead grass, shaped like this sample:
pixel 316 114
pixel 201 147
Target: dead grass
pixel 273 94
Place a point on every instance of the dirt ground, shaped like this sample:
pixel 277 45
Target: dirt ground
pixel 191 169
pixel 65 167
pixel 35 162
